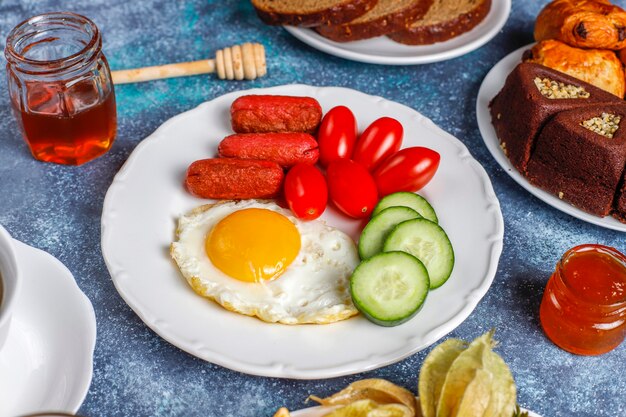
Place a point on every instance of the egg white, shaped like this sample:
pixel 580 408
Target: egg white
pixel 313 289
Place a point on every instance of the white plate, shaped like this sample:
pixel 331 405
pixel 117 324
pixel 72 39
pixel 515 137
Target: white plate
pixel 46 364
pixel 320 411
pixel 492 84
pixel 147 196
pixel 383 50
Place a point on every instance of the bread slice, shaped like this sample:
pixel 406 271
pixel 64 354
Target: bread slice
pixel 310 12
pixel 445 20
pixel 386 17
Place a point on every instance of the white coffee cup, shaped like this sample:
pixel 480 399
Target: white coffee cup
pixel 9 277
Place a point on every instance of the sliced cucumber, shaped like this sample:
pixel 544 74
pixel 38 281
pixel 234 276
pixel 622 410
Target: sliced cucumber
pixel 410 200
pixel 428 242
pixel 373 236
pixel 389 288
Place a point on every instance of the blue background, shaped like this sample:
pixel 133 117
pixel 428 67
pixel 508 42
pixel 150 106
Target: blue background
pixel 57 208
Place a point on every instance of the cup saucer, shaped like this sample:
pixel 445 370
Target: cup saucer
pixel 46 363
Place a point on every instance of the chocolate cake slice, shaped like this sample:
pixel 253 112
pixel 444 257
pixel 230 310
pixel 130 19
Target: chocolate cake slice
pixel 580 156
pixel 619 209
pixel 531 95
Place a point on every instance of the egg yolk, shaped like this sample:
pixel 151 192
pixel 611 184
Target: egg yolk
pixel 253 245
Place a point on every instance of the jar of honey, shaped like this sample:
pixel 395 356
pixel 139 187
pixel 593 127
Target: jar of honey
pixel 583 310
pixel 60 88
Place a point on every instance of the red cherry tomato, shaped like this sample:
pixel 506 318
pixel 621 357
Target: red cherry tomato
pixel 380 140
pixel 351 188
pixel 336 135
pixel 306 191
pixel 409 169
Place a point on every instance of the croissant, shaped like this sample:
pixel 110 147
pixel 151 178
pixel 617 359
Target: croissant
pixel 622 56
pixel 583 23
pixel 601 68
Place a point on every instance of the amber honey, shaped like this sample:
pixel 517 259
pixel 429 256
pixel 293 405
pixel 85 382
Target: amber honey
pixel 583 309
pixel 55 136
pixel 60 88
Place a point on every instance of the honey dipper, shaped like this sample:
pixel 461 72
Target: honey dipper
pixel 232 63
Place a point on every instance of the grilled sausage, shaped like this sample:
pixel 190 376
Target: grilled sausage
pixel 286 149
pixel 226 178
pixel 264 114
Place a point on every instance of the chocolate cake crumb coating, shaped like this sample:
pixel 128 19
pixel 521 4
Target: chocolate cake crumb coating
pixel 580 156
pixel 531 95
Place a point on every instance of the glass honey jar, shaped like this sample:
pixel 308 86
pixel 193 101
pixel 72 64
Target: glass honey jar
pixel 583 310
pixel 60 88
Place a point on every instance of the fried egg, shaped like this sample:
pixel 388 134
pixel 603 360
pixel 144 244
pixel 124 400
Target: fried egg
pixel 255 258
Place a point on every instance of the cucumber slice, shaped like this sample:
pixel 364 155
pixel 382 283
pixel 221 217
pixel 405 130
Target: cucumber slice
pixel 410 200
pixel 428 242
pixel 373 236
pixel 389 288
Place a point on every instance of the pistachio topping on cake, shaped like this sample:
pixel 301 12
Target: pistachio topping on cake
pixel 555 90
pixel 605 125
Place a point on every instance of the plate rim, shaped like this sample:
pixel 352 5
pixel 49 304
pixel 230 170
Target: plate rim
pixel 305 35
pixel 495 245
pixel 75 398
pixel 491 142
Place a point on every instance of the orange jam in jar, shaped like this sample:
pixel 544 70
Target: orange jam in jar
pixel 583 310
pixel 60 88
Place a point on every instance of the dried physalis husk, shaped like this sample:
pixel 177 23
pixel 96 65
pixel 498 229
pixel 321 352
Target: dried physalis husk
pixel 370 408
pixel 477 383
pixel 379 390
pixel 462 376
pixel 282 412
pixel 504 393
pixel 433 373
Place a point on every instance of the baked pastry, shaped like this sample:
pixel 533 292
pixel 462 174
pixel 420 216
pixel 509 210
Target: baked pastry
pixel 386 17
pixel 622 55
pixel 310 12
pixel 601 68
pixel 583 23
pixel 531 95
pixel 445 19
pixel 580 156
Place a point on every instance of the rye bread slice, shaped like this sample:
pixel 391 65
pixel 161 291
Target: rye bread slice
pixel 386 17
pixel 310 13
pixel 445 20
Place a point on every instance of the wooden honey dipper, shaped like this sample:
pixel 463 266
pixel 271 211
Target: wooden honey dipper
pixel 233 63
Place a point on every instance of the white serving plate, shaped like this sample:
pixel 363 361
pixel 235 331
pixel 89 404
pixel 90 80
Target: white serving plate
pixel 147 196
pixel 382 50
pixel 46 364
pixel 321 411
pixel 492 84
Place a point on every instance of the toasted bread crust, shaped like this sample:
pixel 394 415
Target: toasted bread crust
pixel 390 23
pixel 457 25
pixel 332 16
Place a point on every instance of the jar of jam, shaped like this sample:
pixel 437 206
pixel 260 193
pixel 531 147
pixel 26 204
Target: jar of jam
pixel 583 310
pixel 60 88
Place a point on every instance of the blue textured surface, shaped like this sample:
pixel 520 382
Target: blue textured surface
pixel 58 208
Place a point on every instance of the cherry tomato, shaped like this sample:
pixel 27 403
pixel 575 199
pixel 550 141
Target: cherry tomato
pixel 351 188
pixel 409 169
pixel 380 140
pixel 336 135
pixel 306 191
